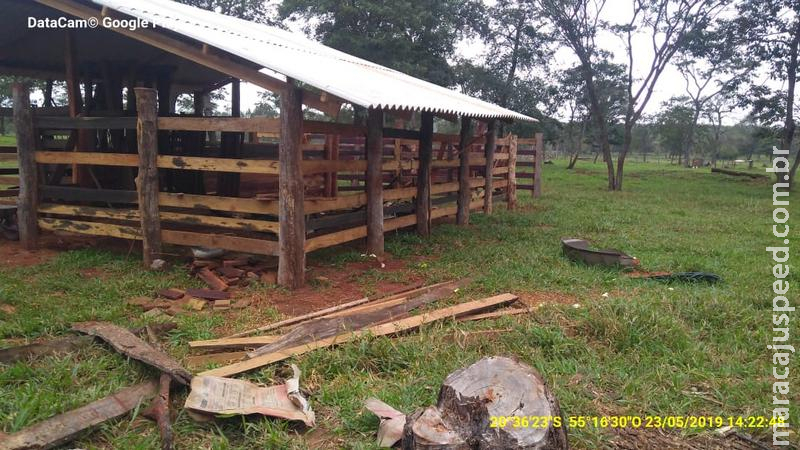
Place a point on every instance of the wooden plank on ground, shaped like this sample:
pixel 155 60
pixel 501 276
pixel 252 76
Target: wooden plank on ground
pixel 128 344
pixel 378 330
pixel 496 314
pixel 255 341
pixel 63 428
pixel 199 361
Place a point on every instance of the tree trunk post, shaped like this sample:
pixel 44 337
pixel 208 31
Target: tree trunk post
pixel 488 151
pixel 464 192
pixel 292 231
pixel 375 181
pixel 423 200
pixel 28 201
pixel 147 180
pixel 538 162
pixel 512 172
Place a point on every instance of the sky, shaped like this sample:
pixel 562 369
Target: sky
pixel 670 84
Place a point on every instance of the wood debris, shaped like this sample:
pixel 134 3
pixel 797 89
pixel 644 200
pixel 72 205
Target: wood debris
pixel 208 294
pixel 63 428
pixel 159 412
pixel 196 304
pixel 212 280
pixel 377 330
pixel 128 344
pixel 172 294
pixel 392 422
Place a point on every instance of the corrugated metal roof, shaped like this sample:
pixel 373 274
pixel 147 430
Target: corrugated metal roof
pixel 294 55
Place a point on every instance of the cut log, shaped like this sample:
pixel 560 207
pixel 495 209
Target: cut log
pixel 737 173
pixel 65 427
pixel 159 412
pixel 128 344
pixel 378 330
pixel 330 326
pixel 469 399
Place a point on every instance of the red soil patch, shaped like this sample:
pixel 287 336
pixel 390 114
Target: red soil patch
pixel 13 255
pixel 329 286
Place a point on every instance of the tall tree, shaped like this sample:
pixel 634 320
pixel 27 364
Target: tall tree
pixel 669 24
pixel 712 64
pixel 773 29
pixel 417 37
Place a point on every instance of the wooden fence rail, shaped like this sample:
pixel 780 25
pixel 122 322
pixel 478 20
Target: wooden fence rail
pixel 173 153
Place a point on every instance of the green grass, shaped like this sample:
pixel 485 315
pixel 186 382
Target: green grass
pixel 8 140
pixel 647 349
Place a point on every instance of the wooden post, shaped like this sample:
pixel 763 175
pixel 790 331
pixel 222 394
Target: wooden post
pixel 538 162
pixel 464 192
pixel 423 200
pixel 147 181
pixel 488 151
pixel 231 147
pixel 292 232
pixel 28 201
pixel 375 181
pixel 512 171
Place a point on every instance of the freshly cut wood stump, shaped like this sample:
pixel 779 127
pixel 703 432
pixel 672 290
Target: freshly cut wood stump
pixel 470 397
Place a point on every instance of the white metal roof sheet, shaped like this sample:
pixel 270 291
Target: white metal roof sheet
pixel 294 55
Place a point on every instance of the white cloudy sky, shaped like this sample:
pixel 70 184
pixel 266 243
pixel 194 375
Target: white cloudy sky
pixel 670 84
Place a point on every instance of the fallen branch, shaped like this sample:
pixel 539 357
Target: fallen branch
pixel 127 343
pixel 159 411
pixel 63 428
pixel 378 330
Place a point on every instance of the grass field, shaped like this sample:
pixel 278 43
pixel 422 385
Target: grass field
pixel 645 349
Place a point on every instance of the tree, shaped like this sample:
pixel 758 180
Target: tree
pixel 416 37
pixel 670 24
pixel 714 110
pixel 253 10
pixel 773 29
pixel 673 123
pixel 712 64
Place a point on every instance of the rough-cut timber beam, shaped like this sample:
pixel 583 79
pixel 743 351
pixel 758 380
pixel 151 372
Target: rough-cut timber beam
pixel 292 234
pixel 464 191
pixel 147 180
pixel 196 54
pixel 375 182
pixel 28 201
pixel 538 162
pixel 512 174
pixel 488 150
pixel 423 200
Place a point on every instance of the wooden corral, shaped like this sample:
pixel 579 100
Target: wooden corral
pixel 119 162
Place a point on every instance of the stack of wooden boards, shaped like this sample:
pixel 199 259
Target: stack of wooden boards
pixel 339 324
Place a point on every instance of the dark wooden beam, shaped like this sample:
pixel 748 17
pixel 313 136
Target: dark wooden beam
pixel 423 199
pixel 464 192
pixel 488 151
pixel 147 181
pixel 375 181
pixel 538 161
pixel 292 233
pixel 28 201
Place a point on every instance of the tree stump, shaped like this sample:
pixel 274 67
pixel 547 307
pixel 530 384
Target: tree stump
pixel 470 397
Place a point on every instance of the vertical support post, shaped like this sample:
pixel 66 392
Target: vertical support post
pixel 28 201
pixel 488 150
pixel 538 162
pixel 331 154
pixel 231 147
pixel 464 192
pixel 236 98
pixel 375 181
pixel 512 171
pixel 423 200
pixel 147 180
pixel 292 232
